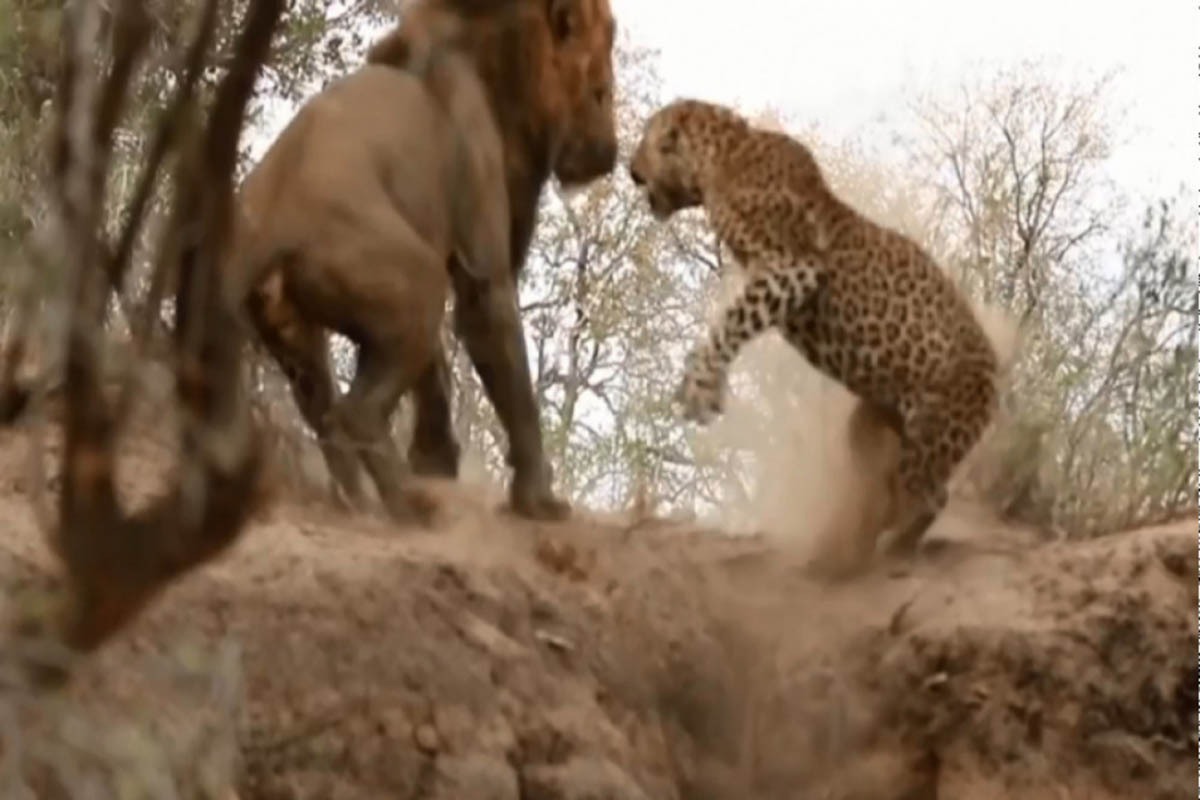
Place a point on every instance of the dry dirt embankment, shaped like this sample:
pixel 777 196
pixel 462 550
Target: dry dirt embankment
pixel 327 657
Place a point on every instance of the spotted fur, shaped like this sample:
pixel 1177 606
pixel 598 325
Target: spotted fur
pixel 864 304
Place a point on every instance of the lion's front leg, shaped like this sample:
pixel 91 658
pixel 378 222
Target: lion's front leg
pixel 773 290
pixel 489 323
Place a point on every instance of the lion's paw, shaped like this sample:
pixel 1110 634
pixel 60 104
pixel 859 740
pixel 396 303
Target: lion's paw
pixel 532 498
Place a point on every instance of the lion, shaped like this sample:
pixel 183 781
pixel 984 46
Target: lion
pixel 418 173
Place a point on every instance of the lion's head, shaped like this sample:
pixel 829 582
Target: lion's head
pixel 583 32
pixel 548 68
pixel 669 157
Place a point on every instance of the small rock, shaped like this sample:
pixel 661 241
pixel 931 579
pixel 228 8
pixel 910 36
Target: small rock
pixel 426 738
pixel 491 639
pixel 1174 562
pixel 936 680
pixel 563 558
pixel 579 779
pixel 556 642
pixel 456 727
pixel 393 722
pixel 477 777
pixel 979 695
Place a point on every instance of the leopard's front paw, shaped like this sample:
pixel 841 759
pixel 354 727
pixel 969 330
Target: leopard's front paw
pixel 702 392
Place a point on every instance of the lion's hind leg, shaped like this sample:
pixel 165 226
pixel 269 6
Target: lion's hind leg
pixel 392 304
pixel 382 377
pixel 301 349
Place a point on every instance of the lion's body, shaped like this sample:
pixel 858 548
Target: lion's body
pixel 353 208
pixel 364 192
pixel 394 185
pixel 861 302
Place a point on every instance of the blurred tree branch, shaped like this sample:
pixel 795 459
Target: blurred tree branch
pixel 116 561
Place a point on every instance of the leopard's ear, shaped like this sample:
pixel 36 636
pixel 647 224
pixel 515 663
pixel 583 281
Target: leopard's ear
pixel 669 143
pixel 393 49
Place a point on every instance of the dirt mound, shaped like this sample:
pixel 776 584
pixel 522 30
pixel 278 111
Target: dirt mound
pixel 327 657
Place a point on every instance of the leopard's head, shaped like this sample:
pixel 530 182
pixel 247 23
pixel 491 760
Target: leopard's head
pixel 663 166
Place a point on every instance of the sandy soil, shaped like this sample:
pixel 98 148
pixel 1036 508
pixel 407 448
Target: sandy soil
pixel 335 657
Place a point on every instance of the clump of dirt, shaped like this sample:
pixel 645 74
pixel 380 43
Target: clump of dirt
pixel 1091 691
pixel 336 657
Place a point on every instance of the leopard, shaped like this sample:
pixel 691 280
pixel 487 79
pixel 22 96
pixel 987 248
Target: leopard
pixel 864 304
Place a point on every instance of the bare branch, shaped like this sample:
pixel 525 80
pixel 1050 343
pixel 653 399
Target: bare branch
pixel 164 139
pixel 116 563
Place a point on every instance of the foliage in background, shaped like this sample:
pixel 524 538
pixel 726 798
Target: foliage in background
pixel 1096 429
pixel 316 39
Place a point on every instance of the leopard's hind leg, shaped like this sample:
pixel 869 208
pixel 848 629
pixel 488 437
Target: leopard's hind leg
pixel 939 429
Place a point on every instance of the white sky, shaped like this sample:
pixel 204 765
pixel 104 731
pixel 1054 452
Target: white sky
pixel 844 64
pixel 851 66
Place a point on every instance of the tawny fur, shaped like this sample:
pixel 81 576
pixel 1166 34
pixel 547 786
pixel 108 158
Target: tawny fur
pixel 864 304
pixel 417 173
